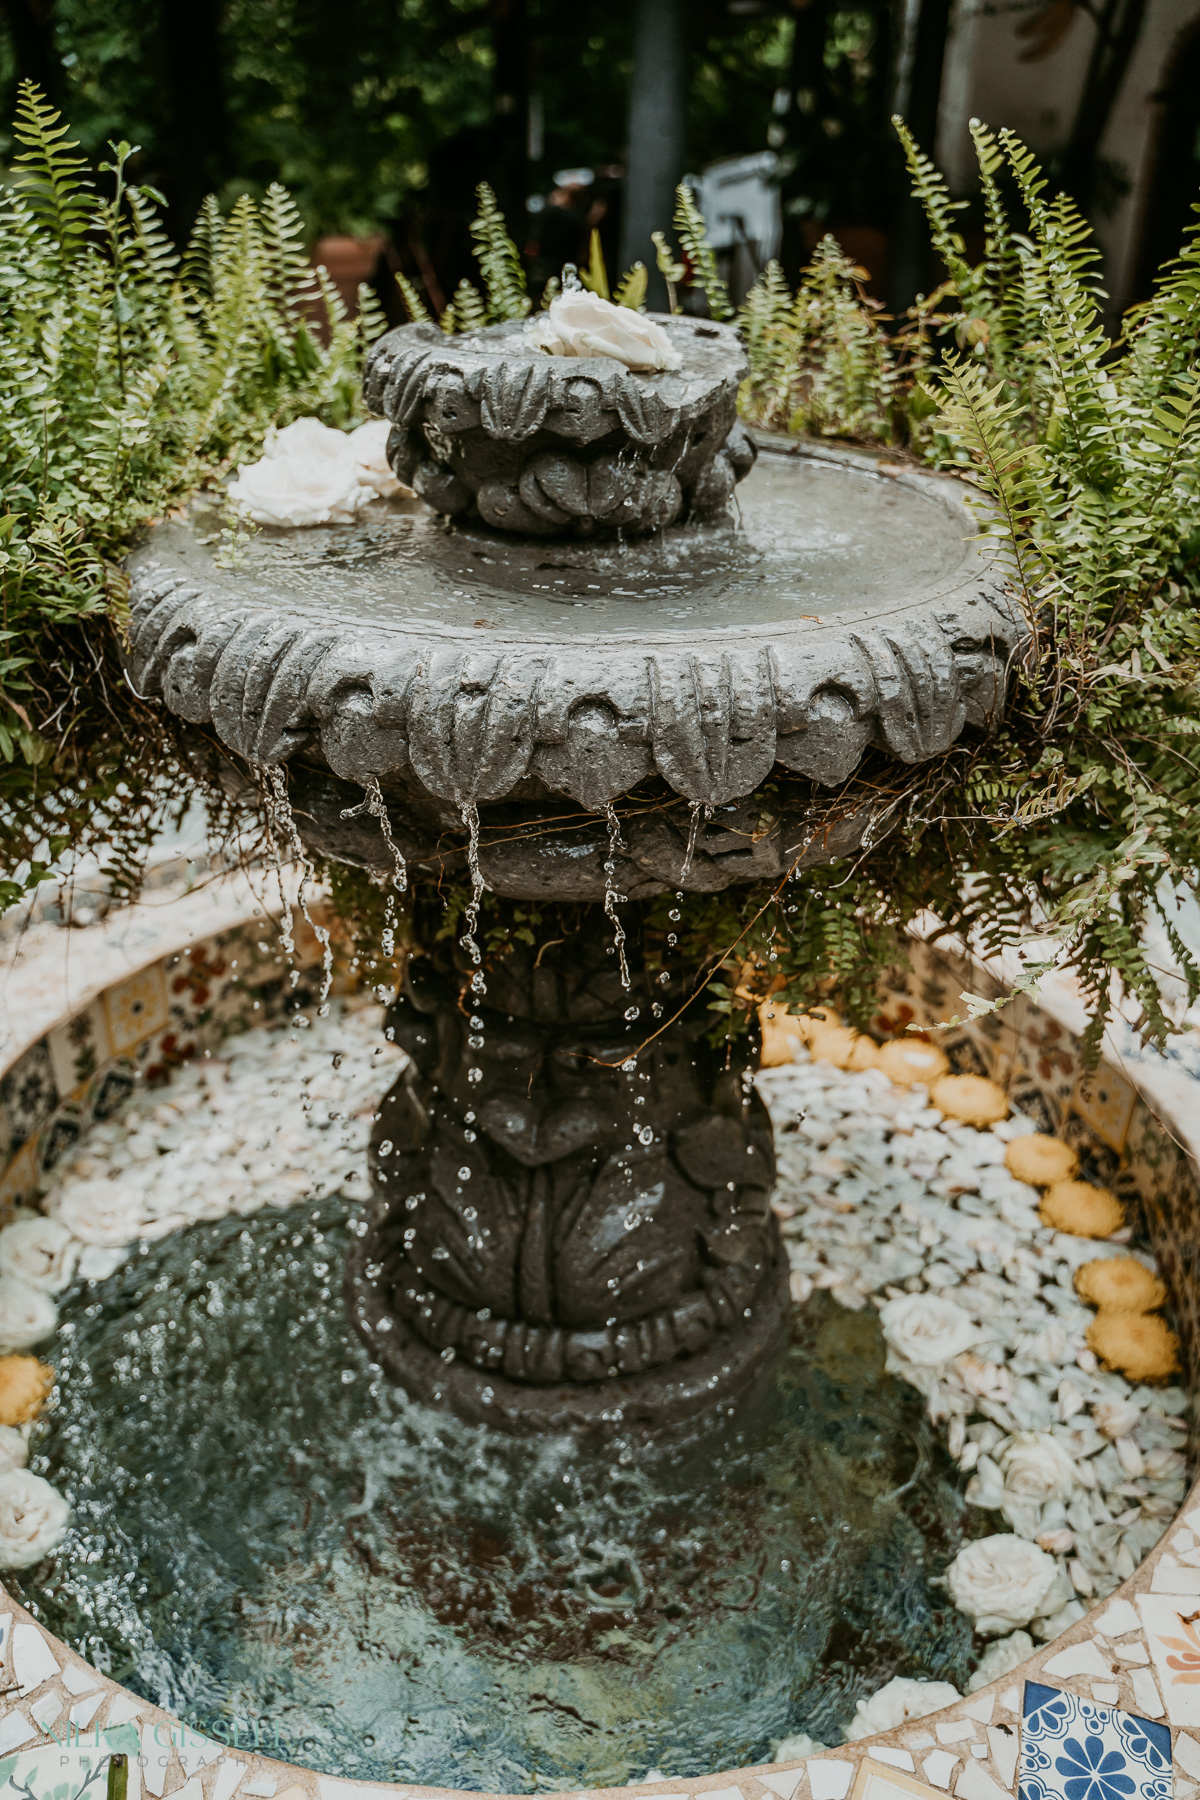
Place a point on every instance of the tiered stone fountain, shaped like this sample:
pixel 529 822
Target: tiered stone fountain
pixel 579 668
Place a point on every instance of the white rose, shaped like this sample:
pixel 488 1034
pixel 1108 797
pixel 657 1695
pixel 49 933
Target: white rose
pixel 899 1700
pixel 1036 1467
pixel 33 1517
pixel 926 1329
pixel 1001 1582
pixel 1001 1658
pixel 1116 1418
pixel 582 324
pixel 40 1252
pixel 308 475
pixel 27 1315
pixel 99 1212
pixel 369 444
pixel 14 1451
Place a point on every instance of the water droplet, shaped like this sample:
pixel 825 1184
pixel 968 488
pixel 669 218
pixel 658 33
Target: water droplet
pixel 645 1134
pixel 464 1174
pixel 629 1065
pixel 664 979
pixel 633 1012
pixel 475 1075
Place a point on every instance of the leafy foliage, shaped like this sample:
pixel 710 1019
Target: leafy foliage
pixel 499 262
pixel 127 379
pixel 130 376
pixel 1078 817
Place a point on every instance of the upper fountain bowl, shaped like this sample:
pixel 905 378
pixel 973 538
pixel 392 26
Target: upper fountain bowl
pixel 488 425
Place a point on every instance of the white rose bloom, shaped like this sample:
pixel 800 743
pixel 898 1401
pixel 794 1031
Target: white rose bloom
pixel 27 1315
pixel 308 475
pixel 41 1252
pixel 33 1517
pixel 14 1451
pixel 1001 1658
pixel 926 1329
pixel 369 444
pixel 898 1701
pixel 582 324
pixel 1037 1468
pixel 792 1749
pixel 1116 1418
pixel 99 1212
pixel 1001 1582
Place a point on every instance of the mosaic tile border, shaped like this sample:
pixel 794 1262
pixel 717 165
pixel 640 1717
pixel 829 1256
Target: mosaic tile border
pixel 1138 1651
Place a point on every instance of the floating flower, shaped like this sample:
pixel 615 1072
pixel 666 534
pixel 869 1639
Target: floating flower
pixel 99 1212
pixel 40 1252
pixel 33 1517
pixel 1000 1658
pixel 582 324
pixel 1036 1467
pixel 27 1315
pixel 1002 1582
pixel 926 1329
pixel 308 475
pixel 897 1701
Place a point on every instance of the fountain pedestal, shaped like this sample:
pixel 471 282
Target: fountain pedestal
pixel 575 1183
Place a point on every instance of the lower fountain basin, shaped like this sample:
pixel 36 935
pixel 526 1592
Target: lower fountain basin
pixel 176 1009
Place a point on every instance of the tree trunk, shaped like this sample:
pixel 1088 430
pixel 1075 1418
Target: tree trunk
pixel 1118 28
pixel 196 139
pixel 657 134
pixel 510 107
pixel 910 251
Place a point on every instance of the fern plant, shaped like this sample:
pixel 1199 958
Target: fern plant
pixel 128 377
pixel 1079 817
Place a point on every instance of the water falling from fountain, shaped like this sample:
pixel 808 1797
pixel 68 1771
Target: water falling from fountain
pixel 376 806
pixel 701 813
pixel 611 897
pixel 281 812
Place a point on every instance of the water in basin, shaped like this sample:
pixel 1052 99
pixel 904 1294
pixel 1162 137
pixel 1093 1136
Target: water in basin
pixel 814 539
pixel 269 1540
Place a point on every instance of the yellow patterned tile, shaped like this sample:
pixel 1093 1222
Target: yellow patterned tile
pixel 136 1009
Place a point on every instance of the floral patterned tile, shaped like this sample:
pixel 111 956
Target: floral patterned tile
pixel 1076 1749
pixel 79 1047
pixel 1173 1635
pixel 135 1009
pixel 28 1093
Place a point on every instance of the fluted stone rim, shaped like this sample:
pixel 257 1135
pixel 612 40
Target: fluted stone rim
pixel 519 389
pixel 471 718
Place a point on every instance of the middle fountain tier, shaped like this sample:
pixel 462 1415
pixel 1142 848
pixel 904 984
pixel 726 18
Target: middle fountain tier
pixel 572 1180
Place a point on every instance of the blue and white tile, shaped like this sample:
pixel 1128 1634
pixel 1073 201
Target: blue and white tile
pixel 1076 1749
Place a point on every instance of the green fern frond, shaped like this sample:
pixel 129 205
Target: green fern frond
pixel 631 289
pixel 595 276
pixel 499 262
pixel 414 306
pixel 60 195
pixel 693 235
pixel 466 311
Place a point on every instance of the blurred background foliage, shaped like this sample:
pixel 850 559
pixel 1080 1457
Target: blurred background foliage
pixel 381 116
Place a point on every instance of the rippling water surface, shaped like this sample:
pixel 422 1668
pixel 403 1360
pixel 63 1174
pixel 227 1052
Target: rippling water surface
pixel 269 1540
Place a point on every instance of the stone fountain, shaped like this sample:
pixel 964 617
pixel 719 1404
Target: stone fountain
pixel 579 668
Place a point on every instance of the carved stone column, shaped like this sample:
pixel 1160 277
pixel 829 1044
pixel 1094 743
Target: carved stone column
pixel 574 1226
